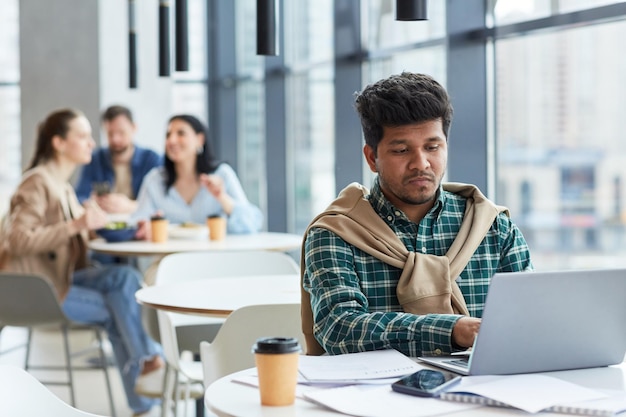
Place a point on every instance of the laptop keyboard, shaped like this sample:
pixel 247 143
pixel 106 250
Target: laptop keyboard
pixel 463 362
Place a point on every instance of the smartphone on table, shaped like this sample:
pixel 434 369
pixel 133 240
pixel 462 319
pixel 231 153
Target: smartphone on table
pixel 426 383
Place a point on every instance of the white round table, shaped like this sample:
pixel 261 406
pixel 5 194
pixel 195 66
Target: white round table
pixel 258 241
pixel 221 296
pixel 227 398
pixel 231 399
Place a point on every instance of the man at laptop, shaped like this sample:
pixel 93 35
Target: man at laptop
pixel 407 264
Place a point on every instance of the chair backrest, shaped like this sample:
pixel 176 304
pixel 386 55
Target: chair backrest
pixel 28 300
pixel 231 351
pixel 23 395
pixel 186 266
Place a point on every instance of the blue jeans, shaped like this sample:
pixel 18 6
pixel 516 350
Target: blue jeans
pixel 106 296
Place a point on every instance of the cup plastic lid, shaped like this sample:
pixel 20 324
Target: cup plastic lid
pixel 276 345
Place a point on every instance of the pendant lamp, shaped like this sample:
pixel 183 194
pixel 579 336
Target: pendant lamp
pixel 267 24
pixel 411 10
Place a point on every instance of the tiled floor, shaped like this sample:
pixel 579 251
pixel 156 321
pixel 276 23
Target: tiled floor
pixel 90 388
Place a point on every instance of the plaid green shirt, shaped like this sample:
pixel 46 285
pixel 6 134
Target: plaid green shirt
pixel 353 294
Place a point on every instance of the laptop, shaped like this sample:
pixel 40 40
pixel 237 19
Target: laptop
pixel 547 321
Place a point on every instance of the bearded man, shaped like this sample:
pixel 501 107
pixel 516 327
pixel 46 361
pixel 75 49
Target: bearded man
pixel 113 177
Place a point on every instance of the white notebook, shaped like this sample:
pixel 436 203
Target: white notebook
pixel 614 404
pixel 535 392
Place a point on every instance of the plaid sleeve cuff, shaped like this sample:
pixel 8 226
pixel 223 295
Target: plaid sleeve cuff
pixel 436 334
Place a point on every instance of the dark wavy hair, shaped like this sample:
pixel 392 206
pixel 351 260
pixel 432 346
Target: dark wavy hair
pixel 116 110
pixel 400 100
pixel 206 162
pixel 56 123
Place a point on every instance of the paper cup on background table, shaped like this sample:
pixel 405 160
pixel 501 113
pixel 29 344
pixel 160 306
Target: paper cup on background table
pixel 217 227
pixel 158 225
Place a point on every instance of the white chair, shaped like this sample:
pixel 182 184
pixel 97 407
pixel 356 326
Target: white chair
pixel 231 350
pixel 180 332
pixel 22 395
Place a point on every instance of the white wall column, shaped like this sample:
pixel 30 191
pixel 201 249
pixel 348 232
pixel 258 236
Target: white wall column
pixel 74 53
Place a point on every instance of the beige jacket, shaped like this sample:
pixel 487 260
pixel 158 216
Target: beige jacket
pixel 427 283
pixel 35 237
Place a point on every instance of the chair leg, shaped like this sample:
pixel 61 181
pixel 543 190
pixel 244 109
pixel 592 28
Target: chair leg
pixel 29 339
pixel 200 406
pixel 68 364
pixel 167 402
pixel 187 395
pixel 175 393
pixel 105 368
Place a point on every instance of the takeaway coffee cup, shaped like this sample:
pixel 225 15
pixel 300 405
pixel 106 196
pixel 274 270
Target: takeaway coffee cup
pixel 158 225
pixel 217 227
pixel 277 366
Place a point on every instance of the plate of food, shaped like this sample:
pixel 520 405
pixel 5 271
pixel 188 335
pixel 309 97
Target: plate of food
pixel 188 230
pixel 117 232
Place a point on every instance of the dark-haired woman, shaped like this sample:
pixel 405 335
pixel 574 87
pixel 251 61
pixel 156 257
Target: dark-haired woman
pixel 192 184
pixel 46 233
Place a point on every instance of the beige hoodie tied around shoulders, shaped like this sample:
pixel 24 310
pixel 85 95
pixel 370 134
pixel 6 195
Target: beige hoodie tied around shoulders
pixel 427 284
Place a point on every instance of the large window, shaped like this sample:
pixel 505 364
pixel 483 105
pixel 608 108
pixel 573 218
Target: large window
pixel 309 104
pixel 560 145
pixel 311 144
pixel 10 150
pixel 250 106
pixel 514 11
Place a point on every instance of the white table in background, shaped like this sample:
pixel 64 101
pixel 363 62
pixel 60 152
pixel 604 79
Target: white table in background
pixel 232 399
pixel 221 296
pixel 258 241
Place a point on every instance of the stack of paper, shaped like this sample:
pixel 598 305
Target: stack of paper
pixel 380 366
pixel 362 384
pixel 381 401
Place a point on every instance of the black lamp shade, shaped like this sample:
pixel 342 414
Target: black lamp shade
pixel 411 9
pixel 132 46
pixel 267 23
pixel 182 36
pixel 164 39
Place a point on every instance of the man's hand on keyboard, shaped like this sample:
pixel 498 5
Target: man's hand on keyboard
pixel 465 331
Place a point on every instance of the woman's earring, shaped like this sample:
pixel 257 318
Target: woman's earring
pixel 199 149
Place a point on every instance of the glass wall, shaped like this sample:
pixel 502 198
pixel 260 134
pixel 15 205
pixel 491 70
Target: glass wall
pixel 310 123
pixel 10 150
pixel 301 82
pixel 514 11
pixel 250 133
pixel 559 135
pixel 251 140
